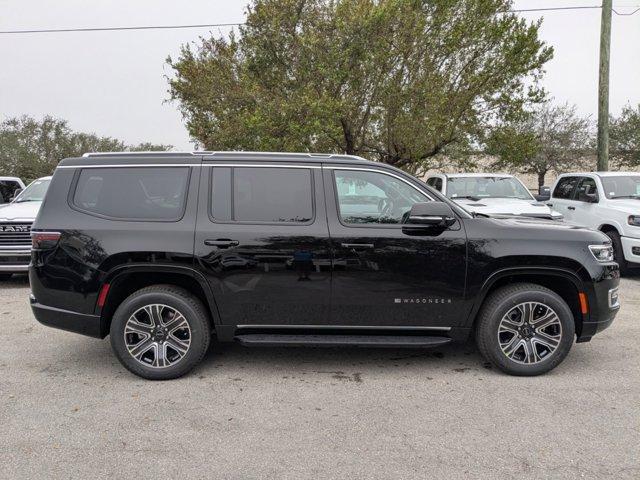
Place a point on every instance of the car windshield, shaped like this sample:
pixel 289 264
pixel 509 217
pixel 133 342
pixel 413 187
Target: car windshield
pixel 487 187
pixel 623 186
pixel 35 192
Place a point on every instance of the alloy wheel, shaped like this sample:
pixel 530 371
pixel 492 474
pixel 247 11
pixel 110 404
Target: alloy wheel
pixel 529 333
pixel 157 336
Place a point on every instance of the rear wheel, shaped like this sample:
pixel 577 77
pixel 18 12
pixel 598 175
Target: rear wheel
pixel 525 329
pixel 618 252
pixel 160 332
pixel 5 276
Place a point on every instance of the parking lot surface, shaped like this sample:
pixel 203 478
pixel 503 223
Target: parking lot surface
pixel 69 410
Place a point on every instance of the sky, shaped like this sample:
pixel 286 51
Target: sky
pixel 114 83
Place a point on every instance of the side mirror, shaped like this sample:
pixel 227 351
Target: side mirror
pixel 588 197
pixel 544 194
pixel 429 215
pixel 16 192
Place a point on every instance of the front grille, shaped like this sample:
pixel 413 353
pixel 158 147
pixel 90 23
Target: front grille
pixel 15 234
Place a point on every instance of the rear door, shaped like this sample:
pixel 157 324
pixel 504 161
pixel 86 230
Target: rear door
pixel 383 277
pixel 263 243
pixel 562 196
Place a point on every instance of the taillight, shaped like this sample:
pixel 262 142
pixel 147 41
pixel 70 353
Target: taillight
pixel 44 240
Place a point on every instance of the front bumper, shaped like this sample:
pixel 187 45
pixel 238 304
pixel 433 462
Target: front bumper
pixel 14 259
pixel 602 309
pixel 90 325
pixel 630 244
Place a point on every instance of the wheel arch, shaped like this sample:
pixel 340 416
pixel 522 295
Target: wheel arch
pixel 125 280
pixel 563 282
pixel 609 226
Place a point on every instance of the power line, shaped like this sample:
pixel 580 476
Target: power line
pixel 208 25
pixel 111 29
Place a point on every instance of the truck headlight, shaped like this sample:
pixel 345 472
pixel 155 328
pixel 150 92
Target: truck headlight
pixel 634 220
pixel 602 253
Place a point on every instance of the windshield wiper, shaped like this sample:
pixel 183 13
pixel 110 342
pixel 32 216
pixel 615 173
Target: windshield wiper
pixel 637 197
pixel 470 197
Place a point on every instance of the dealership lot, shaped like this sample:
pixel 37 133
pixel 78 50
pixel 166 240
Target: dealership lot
pixel 68 409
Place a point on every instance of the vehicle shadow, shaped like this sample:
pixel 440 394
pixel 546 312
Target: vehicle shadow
pixel 16 281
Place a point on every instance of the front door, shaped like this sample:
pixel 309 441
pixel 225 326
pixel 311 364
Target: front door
pixel 381 276
pixel 263 243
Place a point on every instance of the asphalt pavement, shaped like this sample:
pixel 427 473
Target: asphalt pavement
pixel 69 410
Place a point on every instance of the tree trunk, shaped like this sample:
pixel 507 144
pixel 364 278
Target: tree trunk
pixel 349 142
pixel 541 176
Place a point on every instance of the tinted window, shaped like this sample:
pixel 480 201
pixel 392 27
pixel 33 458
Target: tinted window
pixel 435 182
pixel 7 187
pixel 157 193
pixel 587 186
pixel 271 195
pixel 565 187
pixel 369 197
pixel 221 193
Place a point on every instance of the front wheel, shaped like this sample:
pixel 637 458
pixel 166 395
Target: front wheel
pixel 525 329
pixel 160 332
pixel 618 251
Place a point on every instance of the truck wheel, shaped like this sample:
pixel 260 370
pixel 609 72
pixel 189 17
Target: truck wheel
pixel 525 329
pixel 5 276
pixel 618 252
pixel 160 332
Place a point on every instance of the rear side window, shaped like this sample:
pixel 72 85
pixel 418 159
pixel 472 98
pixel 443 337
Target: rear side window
pixel 565 187
pixel 135 193
pixel 262 195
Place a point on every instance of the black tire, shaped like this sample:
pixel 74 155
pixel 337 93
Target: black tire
pixel 5 276
pixel 199 331
pixel 503 301
pixel 618 252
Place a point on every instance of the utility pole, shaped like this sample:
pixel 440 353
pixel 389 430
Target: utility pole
pixel 603 87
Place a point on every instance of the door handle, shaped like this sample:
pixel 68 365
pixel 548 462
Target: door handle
pixel 355 246
pixel 222 243
pixel 571 208
pixel 549 204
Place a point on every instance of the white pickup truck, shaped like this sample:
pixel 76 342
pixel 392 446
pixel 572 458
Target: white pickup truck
pixel 16 219
pixel 606 201
pixel 493 194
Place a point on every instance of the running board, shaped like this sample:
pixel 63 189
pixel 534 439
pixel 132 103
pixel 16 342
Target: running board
pixel 278 340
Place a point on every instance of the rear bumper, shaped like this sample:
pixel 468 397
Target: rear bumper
pixel 89 325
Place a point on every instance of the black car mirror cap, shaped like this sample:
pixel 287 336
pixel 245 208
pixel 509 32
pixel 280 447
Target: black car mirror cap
pixel 431 214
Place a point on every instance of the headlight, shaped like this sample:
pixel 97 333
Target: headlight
pixel 634 220
pixel 602 253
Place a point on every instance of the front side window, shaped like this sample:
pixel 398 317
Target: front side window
pixel 435 182
pixel 623 186
pixel 262 195
pixel 7 189
pixel 134 193
pixel 487 187
pixel 565 187
pixel 374 198
pixel 586 187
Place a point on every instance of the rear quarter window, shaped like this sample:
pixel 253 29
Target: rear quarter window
pixel 132 193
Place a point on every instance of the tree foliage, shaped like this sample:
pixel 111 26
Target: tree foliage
pixel 624 137
pixel 399 81
pixel 548 138
pixel 31 148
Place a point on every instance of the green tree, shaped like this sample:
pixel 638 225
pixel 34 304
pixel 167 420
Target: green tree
pixel 549 138
pixel 31 148
pixel 398 81
pixel 624 137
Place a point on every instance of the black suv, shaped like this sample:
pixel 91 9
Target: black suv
pixel 165 250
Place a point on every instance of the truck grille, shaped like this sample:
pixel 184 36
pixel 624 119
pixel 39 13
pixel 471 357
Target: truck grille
pixel 15 234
